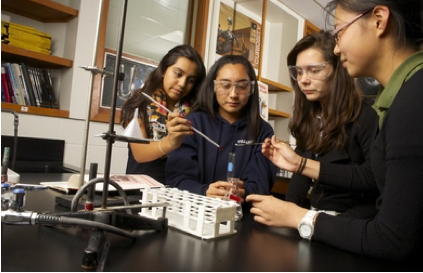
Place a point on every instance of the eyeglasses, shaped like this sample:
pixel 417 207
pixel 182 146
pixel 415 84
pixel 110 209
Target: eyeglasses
pixel 335 32
pixel 224 87
pixel 313 72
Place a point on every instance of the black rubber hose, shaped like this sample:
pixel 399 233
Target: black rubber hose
pixel 45 219
pixel 82 190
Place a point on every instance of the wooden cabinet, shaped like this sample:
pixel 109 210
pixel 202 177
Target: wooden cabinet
pixel 281 32
pixel 40 10
pixel 44 11
pixel 310 28
pixel 16 54
pixel 282 28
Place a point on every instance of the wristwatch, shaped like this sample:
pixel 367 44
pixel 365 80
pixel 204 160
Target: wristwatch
pixel 306 226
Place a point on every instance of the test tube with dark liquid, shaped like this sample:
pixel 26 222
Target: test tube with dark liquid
pixel 230 177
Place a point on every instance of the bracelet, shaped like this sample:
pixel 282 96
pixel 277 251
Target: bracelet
pixel 160 148
pixel 305 163
pixel 299 165
pixel 302 165
pixel 300 171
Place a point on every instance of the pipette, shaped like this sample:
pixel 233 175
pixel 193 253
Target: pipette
pixel 248 144
pixel 260 143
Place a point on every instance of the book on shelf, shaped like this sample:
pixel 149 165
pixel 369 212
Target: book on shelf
pixel 17 84
pixel 29 86
pixel 5 92
pixel 24 88
pixel 48 89
pixel 35 87
pixel 10 82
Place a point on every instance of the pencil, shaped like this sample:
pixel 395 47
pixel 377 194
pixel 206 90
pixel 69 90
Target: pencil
pixel 259 143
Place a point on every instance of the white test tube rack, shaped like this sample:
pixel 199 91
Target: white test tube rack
pixel 202 216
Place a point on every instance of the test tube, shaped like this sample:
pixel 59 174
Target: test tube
pixel 231 178
pixel 231 165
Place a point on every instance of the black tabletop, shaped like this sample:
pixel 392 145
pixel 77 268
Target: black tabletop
pixel 253 248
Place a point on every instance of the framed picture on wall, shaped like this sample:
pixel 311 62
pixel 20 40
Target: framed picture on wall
pixel 237 33
pixel 235 28
pixel 136 71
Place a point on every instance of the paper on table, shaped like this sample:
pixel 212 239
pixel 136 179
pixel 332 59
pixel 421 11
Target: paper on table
pixel 127 182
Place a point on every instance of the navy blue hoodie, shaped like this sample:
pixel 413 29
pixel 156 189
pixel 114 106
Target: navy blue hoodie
pixel 198 163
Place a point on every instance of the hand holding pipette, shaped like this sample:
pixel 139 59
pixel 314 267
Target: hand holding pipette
pixel 281 154
pixel 168 110
pixel 177 127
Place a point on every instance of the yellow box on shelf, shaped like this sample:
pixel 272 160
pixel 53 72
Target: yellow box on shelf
pixel 30 30
pixel 29 46
pixel 22 36
pixel 26 37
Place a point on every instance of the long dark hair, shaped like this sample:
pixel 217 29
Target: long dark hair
pixel 155 82
pixel 406 17
pixel 342 105
pixel 206 99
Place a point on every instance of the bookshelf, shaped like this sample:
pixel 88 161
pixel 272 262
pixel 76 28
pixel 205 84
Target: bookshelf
pixel 309 28
pixel 16 54
pixel 277 113
pixel 44 11
pixel 281 29
pixel 41 10
pixel 276 86
pixel 41 111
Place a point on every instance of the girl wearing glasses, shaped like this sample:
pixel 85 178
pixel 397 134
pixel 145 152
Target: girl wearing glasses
pixel 334 130
pixel 378 39
pixel 174 83
pixel 227 111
